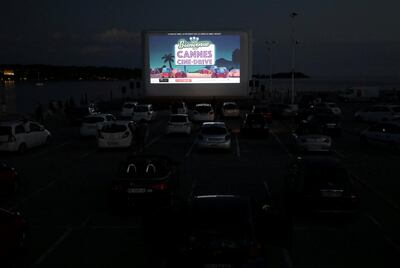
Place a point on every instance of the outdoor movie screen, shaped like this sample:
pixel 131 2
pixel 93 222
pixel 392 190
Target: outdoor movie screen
pixel 194 58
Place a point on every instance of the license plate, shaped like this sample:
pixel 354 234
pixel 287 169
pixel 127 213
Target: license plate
pixel 136 190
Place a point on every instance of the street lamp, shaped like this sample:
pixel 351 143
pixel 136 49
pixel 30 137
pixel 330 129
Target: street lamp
pixel 294 43
pixel 269 52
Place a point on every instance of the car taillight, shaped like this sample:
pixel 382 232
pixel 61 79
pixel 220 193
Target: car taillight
pixel 117 188
pixel 159 186
pixel 227 137
pixel 126 134
pixel 12 138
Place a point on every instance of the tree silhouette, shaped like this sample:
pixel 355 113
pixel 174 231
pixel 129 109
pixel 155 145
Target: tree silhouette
pixel 168 58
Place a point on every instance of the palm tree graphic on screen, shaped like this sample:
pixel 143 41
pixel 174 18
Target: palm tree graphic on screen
pixel 168 58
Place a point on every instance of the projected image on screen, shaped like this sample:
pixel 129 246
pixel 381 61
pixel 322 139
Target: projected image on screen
pixel 194 58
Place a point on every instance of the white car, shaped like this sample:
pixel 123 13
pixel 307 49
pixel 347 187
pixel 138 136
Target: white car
pixel 311 140
pixel 19 136
pixel 128 107
pixel 92 123
pixel 214 135
pixel 179 123
pixel 230 109
pixel 377 113
pixel 384 134
pixel 331 105
pixel 119 134
pixel 203 112
pixel 144 111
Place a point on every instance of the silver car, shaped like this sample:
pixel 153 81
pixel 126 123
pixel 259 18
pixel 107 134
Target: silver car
pixel 310 139
pixel 214 135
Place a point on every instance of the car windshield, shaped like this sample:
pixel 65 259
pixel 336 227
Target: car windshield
pixel 113 128
pixel 230 106
pixel 213 130
pixel 5 130
pixel 178 119
pixel 203 109
pixel 144 168
pixel 129 106
pixel 141 109
pixel 93 120
pixel 326 177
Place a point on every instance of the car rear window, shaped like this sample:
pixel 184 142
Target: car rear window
pixel 230 106
pixel 5 130
pixel 213 131
pixel 203 109
pixel 145 169
pixel 129 106
pixel 114 128
pixel 178 119
pixel 141 109
pixel 93 120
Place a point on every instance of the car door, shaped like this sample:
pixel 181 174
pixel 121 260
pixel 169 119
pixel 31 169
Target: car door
pixel 36 135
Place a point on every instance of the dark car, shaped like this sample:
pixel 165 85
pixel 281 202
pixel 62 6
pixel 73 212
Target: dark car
pixel 219 232
pixel 13 233
pixel 145 180
pixel 322 184
pixel 330 124
pixel 264 111
pixel 9 179
pixel 255 125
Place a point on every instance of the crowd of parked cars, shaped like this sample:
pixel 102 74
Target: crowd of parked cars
pixel 315 183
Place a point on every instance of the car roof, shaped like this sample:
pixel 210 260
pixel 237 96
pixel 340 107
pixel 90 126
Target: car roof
pixel 212 124
pixel 203 104
pixel 229 102
pixel 185 115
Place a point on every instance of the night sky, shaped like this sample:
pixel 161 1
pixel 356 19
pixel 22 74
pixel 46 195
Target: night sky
pixel 338 38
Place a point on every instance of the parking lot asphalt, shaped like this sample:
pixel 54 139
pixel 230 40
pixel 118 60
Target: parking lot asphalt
pixel 65 197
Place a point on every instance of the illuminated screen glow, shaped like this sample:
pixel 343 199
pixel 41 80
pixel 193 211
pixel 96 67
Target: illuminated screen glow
pixel 194 58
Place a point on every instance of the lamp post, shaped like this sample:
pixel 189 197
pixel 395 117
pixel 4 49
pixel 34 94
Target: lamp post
pixel 294 43
pixel 269 52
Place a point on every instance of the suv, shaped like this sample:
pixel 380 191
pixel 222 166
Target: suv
pixel 19 136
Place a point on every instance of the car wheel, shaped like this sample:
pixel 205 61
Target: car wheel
pixel 22 148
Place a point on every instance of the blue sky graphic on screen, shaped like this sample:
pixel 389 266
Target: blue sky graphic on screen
pixel 194 58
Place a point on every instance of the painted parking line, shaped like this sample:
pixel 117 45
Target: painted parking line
pixel 381 229
pixel 191 148
pixel 38 191
pixel 281 144
pixel 47 253
pixel 339 154
pixel 150 143
pixel 237 146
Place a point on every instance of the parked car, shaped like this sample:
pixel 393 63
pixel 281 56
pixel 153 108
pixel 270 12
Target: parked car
pixel 128 108
pixel 91 124
pixel 264 111
pixel 330 105
pixel 330 124
pixel 311 139
pixel 9 179
pixel 180 74
pixel 384 134
pixel 376 113
pixel 118 134
pixel 18 136
pixel 230 109
pixel 13 233
pixel 255 125
pixel 220 72
pixel 214 135
pixel 144 111
pixel 179 123
pixel 322 184
pixel 179 108
pixel 205 71
pixel 203 112
pixel 219 231
pixel 145 180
